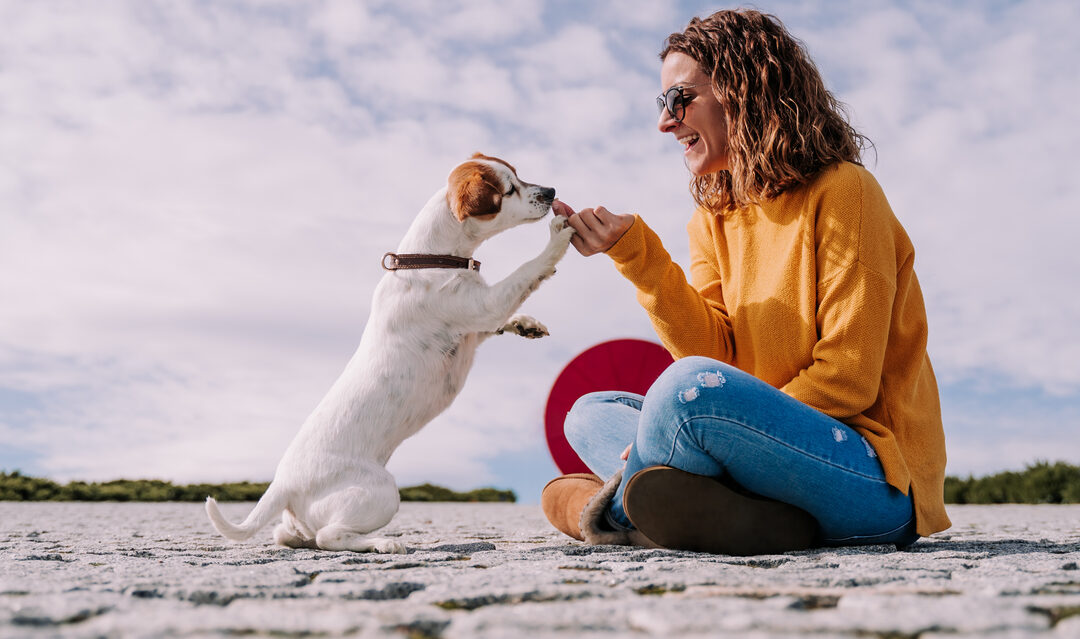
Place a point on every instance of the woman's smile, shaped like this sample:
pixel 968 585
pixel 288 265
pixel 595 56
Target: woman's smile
pixel 702 130
pixel 688 141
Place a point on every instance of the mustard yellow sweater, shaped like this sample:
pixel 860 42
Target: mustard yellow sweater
pixel 814 293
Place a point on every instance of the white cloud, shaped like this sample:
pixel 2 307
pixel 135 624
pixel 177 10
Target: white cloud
pixel 971 113
pixel 343 24
pixel 194 199
pixel 644 15
pixel 574 55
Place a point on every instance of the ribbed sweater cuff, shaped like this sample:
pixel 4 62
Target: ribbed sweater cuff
pixel 630 245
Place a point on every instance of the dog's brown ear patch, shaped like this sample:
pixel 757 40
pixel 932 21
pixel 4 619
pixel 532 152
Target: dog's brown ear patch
pixel 473 189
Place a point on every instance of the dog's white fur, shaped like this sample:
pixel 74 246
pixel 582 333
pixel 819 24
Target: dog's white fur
pixel 331 487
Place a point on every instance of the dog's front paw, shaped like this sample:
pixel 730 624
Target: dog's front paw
pixel 561 229
pixel 524 326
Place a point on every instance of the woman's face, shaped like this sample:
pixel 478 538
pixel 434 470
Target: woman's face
pixel 703 130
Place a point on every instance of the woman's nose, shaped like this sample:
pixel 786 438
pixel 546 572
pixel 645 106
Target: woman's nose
pixel 666 123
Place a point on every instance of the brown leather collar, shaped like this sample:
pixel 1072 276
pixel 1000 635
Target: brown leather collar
pixel 395 261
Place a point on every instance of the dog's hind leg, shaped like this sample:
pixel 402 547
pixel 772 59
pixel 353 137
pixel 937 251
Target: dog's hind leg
pixel 351 513
pixel 288 533
pixel 339 537
pixel 284 536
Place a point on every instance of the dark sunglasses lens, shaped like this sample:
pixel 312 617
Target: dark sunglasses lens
pixel 675 101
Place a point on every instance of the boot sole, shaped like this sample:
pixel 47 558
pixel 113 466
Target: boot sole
pixel 684 511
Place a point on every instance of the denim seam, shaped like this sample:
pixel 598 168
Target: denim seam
pixel 675 442
pixel 887 533
pixel 768 436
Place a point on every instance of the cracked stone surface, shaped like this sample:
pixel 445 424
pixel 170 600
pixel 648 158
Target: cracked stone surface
pixel 499 570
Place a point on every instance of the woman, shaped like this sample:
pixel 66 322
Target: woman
pixel 802 408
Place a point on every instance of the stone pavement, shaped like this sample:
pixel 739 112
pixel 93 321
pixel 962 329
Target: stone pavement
pixel 499 570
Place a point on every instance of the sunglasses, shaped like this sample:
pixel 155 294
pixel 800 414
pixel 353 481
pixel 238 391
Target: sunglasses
pixel 675 100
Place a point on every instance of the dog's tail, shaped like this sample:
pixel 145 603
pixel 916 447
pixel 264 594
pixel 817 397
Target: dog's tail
pixel 270 505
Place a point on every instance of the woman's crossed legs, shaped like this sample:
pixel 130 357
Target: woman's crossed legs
pixel 707 418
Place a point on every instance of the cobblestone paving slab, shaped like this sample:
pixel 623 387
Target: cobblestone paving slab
pixel 499 570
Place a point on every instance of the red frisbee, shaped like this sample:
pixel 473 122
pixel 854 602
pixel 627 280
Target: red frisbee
pixel 621 365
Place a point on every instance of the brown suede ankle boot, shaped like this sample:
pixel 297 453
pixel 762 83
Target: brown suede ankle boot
pixel 565 497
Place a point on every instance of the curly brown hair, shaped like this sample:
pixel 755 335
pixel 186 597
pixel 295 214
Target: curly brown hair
pixel 784 126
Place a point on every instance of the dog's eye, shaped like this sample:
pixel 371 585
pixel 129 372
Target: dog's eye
pixel 513 190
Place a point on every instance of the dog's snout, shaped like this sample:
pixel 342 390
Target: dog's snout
pixel 547 193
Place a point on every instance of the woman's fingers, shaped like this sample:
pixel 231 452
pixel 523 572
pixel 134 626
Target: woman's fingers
pixel 598 229
pixel 558 207
pixel 606 217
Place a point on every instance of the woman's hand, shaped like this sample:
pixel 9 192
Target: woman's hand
pixel 626 453
pixel 597 229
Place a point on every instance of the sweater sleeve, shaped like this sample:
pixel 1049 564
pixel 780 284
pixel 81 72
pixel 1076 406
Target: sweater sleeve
pixel 856 261
pixel 688 318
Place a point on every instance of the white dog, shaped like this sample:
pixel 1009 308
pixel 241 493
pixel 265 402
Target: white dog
pixel 429 313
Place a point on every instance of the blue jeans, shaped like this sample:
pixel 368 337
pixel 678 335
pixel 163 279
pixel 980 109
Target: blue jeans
pixel 708 418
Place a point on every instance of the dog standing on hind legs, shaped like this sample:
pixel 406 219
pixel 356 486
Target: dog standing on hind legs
pixel 429 313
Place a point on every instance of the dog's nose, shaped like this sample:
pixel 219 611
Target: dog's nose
pixel 547 193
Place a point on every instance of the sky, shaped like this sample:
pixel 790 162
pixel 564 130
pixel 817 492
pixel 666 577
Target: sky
pixel 195 196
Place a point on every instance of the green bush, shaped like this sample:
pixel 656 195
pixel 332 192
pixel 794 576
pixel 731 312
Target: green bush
pixel 15 486
pixel 1039 483
pixel 429 492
